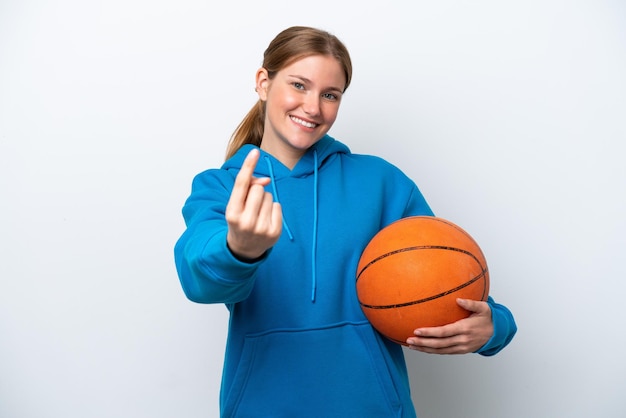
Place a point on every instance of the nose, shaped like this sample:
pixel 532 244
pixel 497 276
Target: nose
pixel 311 104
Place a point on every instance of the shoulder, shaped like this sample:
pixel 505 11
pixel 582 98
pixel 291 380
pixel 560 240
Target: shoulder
pixel 213 177
pixel 372 165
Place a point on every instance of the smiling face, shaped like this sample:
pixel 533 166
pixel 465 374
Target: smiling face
pixel 301 105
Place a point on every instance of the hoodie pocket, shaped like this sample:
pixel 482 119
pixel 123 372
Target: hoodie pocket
pixel 337 371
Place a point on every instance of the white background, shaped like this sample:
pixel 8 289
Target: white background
pixel 510 116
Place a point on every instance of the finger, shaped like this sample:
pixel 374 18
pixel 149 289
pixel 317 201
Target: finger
pixel 430 344
pixel 437 332
pixel 262 181
pixel 437 343
pixel 265 213
pixel 255 196
pixel 252 206
pixel 476 306
pixel 243 180
pixel 453 349
pixel 469 305
pixel 277 219
pixel 271 218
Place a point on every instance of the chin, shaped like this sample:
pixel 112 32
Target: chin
pixel 304 144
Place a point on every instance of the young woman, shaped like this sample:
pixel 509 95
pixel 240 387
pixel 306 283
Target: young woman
pixel 276 234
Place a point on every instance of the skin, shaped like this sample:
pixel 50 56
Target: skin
pixel 254 219
pixel 461 337
pixel 302 102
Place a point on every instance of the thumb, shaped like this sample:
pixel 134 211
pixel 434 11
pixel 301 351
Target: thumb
pixel 476 306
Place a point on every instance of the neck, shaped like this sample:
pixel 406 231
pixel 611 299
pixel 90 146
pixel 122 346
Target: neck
pixel 289 158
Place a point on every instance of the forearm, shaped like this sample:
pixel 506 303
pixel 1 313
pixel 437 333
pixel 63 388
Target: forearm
pixel 209 272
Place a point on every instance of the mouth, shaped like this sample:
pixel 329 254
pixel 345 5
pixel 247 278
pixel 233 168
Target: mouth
pixel 304 123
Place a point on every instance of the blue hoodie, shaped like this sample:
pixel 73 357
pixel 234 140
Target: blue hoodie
pixel 298 343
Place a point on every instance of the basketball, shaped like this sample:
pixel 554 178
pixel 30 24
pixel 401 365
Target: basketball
pixel 412 271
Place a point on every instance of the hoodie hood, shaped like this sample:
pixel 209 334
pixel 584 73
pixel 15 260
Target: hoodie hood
pixel 309 165
pixel 325 148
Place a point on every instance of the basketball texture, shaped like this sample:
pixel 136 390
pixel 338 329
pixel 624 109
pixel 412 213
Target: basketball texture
pixel 411 273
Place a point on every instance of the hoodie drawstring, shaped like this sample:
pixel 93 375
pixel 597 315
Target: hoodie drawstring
pixel 314 244
pixel 315 216
pixel 275 192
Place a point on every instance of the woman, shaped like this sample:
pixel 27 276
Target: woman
pixel 276 234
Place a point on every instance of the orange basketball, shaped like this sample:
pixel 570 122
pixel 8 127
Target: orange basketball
pixel 411 273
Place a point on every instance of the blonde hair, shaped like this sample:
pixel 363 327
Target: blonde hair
pixel 287 47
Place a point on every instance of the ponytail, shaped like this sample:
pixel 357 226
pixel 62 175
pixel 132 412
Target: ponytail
pixel 249 131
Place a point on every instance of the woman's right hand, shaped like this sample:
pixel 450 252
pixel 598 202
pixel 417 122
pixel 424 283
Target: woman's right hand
pixel 254 220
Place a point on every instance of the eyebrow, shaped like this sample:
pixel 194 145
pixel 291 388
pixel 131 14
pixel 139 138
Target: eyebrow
pixel 306 80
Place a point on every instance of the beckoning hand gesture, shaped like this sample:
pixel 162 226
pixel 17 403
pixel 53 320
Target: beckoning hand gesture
pixel 254 219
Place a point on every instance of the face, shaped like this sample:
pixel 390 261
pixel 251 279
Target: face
pixel 301 105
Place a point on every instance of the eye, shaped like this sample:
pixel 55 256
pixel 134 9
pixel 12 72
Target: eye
pixel 298 85
pixel 331 96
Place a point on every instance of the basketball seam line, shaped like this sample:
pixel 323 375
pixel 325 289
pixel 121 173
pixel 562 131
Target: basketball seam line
pixel 419 247
pixel 415 302
pixel 422 247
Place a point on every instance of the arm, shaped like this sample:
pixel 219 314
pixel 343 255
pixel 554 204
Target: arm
pixel 224 243
pixel 488 329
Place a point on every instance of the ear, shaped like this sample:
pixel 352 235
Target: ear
pixel 262 83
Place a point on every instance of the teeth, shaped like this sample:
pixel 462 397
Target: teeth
pixel 303 123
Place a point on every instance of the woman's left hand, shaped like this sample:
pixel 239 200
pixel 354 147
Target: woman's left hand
pixel 461 337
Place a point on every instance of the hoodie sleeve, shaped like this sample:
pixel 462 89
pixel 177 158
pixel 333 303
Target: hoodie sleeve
pixel 504 329
pixel 208 271
pixel 417 205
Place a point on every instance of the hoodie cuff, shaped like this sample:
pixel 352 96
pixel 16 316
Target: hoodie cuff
pixel 225 265
pixel 504 328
